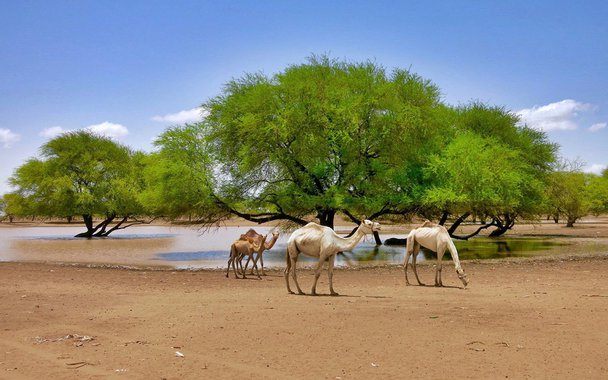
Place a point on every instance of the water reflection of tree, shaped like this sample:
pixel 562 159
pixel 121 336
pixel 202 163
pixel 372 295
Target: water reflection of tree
pixel 373 254
pixel 503 247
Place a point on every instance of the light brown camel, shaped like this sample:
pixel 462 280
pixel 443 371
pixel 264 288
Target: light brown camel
pixel 240 249
pixel 436 238
pixel 322 242
pixel 254 237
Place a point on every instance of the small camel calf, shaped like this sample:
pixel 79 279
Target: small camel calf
pixel 436 238
pixel 238 250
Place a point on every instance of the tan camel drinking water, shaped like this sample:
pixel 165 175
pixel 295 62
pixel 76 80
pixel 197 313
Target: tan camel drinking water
pixel 436 238
pixel 322 242
pixel 256 238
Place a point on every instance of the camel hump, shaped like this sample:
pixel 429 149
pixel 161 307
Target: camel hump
pixel 428 223
pixel 314 225
pixel 250 235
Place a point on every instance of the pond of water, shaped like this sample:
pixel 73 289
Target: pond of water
pixel 185 247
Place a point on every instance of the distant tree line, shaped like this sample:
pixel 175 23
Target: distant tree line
pixel 318 139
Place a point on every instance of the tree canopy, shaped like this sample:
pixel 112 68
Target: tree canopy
pixel 84 174
pixel 329 136
pixel 319 138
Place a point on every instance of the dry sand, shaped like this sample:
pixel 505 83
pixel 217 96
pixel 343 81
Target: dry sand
pixel 539 319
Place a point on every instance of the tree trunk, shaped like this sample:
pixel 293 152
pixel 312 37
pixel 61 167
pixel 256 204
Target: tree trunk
pixel 571 221
pixel 458 222
pixel 377 238
pixel 326 218
pixel 88 223
pixel 503 227
pixel 444 218
pixel 499 231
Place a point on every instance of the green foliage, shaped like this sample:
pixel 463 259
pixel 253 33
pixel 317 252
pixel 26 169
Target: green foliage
pixel 318 138
pixel 597 193
pixel 467 176
pixel 489 167
pixel 323 136
pixel 177 177
pixel 567 195
pixel 79 173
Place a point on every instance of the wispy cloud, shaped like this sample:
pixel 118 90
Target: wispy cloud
pixel 107 129
pixel 595 169
pixel 554 116
pixel 52 132
pixel 596 127
pixel 181 117
pixel 7 138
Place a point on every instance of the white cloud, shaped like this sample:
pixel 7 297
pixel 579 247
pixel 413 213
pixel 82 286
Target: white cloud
pixel 181 117
pixel 597 126
pixel 7 138
pixel 108 129
pixel 554 116
pixel 595 169
pixel 53 132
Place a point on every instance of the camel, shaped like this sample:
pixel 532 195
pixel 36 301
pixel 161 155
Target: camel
pixel 254 237
pixel 436 238
pixel 240 249
pixel 322 242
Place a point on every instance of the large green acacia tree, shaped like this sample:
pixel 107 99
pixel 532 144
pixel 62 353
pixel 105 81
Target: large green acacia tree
pixel 329 136
pixel 319 138
pixel 84 174
pixel 490 168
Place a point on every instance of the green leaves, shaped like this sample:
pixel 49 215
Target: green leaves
pixel 327 134
pixel 80 173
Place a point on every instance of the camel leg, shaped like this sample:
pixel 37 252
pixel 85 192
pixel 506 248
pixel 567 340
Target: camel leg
pixel 414 255
pixel 293 274
pixel 408 253
pixel 440 252
pixel 287 269
pixel 261 257
pixel 257 258
pixel 247 264
pixel 234 266
pixel 313 292
pixel 330 273
pixel 240 263
pixel 228 270
pixel 256 268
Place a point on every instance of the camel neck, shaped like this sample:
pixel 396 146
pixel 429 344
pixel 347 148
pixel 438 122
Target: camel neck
pixel 347 244
pixel 270 244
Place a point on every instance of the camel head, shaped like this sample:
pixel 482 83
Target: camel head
pixel 368 226
pixel 270 243
pixel 462 276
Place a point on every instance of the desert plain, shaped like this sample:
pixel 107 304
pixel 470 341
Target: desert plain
pixel 523 318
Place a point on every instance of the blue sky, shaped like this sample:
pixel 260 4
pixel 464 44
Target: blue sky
pixel 131 68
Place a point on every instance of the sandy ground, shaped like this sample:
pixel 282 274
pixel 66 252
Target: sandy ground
pixel 524 318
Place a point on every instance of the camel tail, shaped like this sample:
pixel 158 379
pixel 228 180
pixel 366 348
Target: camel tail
pixel 409 242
